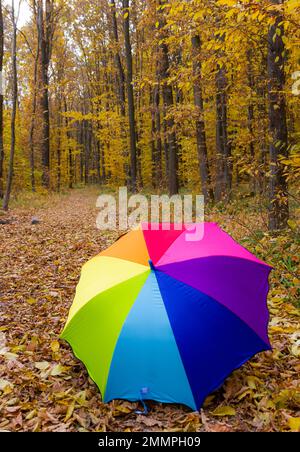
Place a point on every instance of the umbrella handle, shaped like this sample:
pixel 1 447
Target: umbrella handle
pixel 145 411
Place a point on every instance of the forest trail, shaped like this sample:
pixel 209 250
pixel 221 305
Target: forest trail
pixel 42 385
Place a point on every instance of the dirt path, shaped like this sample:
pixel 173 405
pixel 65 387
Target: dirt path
pixel 43 387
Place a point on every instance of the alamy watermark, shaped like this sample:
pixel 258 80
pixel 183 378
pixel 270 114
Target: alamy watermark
pixel 178 212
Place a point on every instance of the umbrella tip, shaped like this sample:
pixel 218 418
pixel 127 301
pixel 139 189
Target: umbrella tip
pixel 151 265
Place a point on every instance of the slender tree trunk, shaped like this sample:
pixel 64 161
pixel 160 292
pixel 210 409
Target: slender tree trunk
pixel 200 124
pixel 14 111
pixel 166 146
pixel 156 146
pixel 82 148
pixel 130 97
pixel 262 132
pixel 118 62
pixel 86 152
pixel 1 101
pixel 250 105
pixel 45 33
pixel 98 160
pixel 58 144
pixel 167 94
pixel 156 102
pixel 278 186
pixel 70 155
pixel 32 122
pixel 223 170
pixel 254 180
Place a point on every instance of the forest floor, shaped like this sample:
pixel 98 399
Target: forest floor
pixel 43 387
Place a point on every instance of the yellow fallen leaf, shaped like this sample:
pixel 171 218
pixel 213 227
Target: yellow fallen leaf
pixel 8 355
pixel 31 415
pixel 70 411
pixel 31 300
pixel 121 409
pixel 294 423
pixel 245 393
pixel 4 384
pixel 80 398
pixel 224 411
pixel 292 224
pixel 251 382
pixel 57 370
pixel 55 346
pixel 295 349
pixel 42 365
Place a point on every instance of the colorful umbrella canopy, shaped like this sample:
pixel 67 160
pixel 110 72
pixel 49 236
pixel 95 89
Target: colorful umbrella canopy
pixel 158 317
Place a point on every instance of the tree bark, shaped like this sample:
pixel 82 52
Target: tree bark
pixel 156 146
pixel 58 150
pixel 278 186
pixel 200 124
pixel 70 155
pixel 167 95
pixel 32 121
pixel 45 35
pixel 118 62
pixel 120 82
pixel 156 102
pixel 14 111
pixel 130 97
pixel 1 100
pixel 223 170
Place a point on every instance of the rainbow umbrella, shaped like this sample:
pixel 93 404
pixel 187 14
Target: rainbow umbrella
pixel 158 317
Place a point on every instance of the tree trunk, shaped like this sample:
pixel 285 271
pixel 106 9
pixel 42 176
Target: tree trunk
pixel 45 34
pixel 1 101
pixel 278 186
pixel 14 111
pixel 156 146
pixel 156 101
pixel 167 94
pixel 86 152
pixel 32 121
pixel 130 97
pixel 223 170
pixel 70 155
pixel 200 124
pixel 118 63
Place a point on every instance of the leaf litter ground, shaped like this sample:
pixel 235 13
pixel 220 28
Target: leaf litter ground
pixel 43 387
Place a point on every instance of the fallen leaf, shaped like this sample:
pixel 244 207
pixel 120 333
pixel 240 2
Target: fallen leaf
pixel 294 423
pixel 70 410
pixel 224 411
pixel 58 369
pixel 55 346
pixel 4 384
pixel 31 301
pixel 42 365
